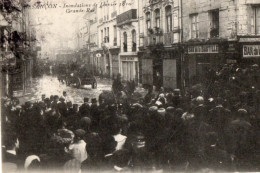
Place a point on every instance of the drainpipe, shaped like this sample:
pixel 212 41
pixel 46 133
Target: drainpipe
pixel 138 17
pixel 182 52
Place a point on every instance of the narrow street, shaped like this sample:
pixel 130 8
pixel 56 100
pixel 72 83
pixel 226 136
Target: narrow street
pixel 50 85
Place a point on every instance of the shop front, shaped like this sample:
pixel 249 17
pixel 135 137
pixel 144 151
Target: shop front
pixel 115 61
pixel 14 73
pixel 249 50
pixel 129 68
pixel 152 67
pixel 199 58
pixel 172 68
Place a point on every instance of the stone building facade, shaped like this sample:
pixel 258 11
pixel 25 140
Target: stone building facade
pixel 128 25
pixel 161 61
pixel 108 37
pixel 215 32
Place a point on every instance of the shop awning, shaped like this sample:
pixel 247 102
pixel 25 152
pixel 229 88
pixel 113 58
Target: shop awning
pixel 253 2
pixel 249 40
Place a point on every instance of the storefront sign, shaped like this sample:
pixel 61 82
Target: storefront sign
pixel 251 50
pixel 127 59
pixel 203 49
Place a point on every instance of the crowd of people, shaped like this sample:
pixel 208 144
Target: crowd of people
pixel 214 126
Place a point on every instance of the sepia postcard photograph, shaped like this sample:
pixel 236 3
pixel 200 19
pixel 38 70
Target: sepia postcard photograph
pixel 109 86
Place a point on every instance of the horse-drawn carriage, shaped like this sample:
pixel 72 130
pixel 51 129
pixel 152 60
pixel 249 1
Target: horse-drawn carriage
pixel 78 79
pixel 76 76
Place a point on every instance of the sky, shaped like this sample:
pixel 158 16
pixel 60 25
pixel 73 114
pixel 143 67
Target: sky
pixel 55 23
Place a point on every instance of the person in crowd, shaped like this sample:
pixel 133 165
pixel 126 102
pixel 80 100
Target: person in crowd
pixel 9 154
pixel 149 96
pixel 84 109
pixel 214 126
pixel 43 97
pixel 78 148
pixel 117 85
pixel 94 114
pixel 32 163
pixel 62 107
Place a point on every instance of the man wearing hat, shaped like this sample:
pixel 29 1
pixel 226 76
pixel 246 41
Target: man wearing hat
pixel 43 97
pixel 94 113
pixel 62 107
pixel 54 104
pixel 84 109
pixel 65 96
pixel 176 98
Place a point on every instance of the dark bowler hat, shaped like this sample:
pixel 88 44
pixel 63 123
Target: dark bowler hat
pixel 86 99
pixel 80 133
pixel 28 104
pixel 93 100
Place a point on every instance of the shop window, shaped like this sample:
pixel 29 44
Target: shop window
pixel 194 26
pixel 157 18
pixel 214 28
pixel 133 40
pixel 255 21
pixel 168 10
pixel 148 20
pixel 125 42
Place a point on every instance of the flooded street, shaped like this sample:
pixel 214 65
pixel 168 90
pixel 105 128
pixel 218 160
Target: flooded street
pixel 49 85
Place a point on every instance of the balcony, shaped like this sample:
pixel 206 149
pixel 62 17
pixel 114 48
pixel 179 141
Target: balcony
pixel 153 40
pixel 113 14
pixel 126 17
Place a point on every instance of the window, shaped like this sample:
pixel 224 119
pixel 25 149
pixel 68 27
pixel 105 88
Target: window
pixel 255 21
pixel 102 36
pixel 107 34
pixel 168 10
pixel 105 40
pixel 125 42
pixel 115 35
pixel 133 40
pixel 214 28
pixel 148 20
pixel 194 26
pixel 157 18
